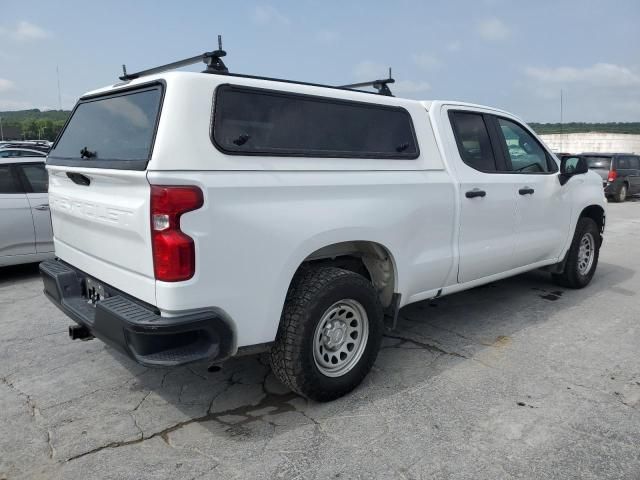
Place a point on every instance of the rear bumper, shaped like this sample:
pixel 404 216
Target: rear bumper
pixel 612 188
pixel 135 328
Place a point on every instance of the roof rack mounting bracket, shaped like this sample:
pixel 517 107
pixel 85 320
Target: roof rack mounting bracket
pixel 382 86
pixel 213 61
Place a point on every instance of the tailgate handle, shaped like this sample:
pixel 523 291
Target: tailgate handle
pixel 79 178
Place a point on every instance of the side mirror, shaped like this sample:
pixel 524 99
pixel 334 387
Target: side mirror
pixel 571 166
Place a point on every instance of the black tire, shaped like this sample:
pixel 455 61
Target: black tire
pixel 572 277
pixel 312 293
pixel 621 196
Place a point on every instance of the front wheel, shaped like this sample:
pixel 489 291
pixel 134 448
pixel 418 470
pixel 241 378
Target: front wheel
pixel 582 258
pixel 329 333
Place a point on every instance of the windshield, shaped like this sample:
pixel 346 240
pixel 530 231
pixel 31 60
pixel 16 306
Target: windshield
pixel 110 132
pixel 598 162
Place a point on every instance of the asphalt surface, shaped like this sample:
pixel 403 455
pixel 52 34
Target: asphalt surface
pixel 517 379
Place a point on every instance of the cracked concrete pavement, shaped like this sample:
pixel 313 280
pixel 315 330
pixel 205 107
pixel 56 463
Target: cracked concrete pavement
pixel 516 379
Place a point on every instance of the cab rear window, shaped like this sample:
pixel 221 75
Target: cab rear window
pixel 115 131
pixel 254 121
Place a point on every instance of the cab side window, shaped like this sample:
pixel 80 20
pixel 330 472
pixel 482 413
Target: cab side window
pixel 8 181
pixel 472 138
pixel 523 150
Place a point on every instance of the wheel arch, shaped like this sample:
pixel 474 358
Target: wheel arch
pixel 369 258
pixel 593 211
pixel 597 214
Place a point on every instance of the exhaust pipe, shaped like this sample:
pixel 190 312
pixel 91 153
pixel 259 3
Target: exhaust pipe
pixel 78 332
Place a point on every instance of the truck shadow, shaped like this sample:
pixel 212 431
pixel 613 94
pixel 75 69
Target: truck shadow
pixel 243 402
pixel 17 273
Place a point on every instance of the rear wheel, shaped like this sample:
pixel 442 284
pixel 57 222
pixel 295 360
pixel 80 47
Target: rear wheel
pixel 621 196
pixel 329 333
pixel 582 258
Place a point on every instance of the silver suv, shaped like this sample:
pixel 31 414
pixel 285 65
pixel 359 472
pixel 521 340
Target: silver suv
pixel 25 222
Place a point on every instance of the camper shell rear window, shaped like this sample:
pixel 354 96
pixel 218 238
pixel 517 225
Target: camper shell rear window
pixel 111 131
pixel 256 121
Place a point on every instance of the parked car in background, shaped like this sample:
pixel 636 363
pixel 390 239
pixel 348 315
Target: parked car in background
pixel 41 145
pixel 620 173
pixel 13 152
pixel 25 222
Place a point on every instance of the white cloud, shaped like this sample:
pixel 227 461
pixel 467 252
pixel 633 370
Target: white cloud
pixel 29 31
pixel 268 14
pixel 594 93
pixel 24 31
pixel 368 70
pixel 454 46
pixel 6 85
pixel 600 75
pixel 409 87
pixel 493 29
pixel 327 36
pixel 426 61
pixel 7 105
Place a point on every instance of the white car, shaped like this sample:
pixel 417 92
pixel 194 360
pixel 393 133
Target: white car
pixel 13 152
pixel 201 216
pixel 25 223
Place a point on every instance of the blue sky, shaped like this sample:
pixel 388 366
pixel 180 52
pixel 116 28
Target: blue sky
pixel 516 55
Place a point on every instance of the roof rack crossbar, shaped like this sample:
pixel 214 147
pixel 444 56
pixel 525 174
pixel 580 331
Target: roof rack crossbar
pixel 213 60
pixel 382 86
pixel 215 65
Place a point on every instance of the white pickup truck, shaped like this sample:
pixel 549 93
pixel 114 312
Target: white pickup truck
pixel 201 216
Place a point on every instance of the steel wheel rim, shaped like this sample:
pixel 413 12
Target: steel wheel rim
pixel 340 338
pixel 623 192
pixel 586 253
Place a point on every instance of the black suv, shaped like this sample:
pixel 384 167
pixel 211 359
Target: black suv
pixel 620 173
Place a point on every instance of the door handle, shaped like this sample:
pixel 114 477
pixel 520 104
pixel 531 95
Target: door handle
pixel 476 192
pixel 79 179
pixel 526 191
pixel 44 206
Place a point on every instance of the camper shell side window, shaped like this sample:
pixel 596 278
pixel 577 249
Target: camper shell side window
pixel 256 121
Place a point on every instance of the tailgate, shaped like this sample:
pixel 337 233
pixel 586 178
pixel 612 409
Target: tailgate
pixel 98 192
pixel 103 228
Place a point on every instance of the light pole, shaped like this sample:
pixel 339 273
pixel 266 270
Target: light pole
pixel 561 120
pixel 1 131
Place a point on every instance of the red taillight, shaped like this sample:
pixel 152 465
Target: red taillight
pixel 612 176
pixel 174 256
